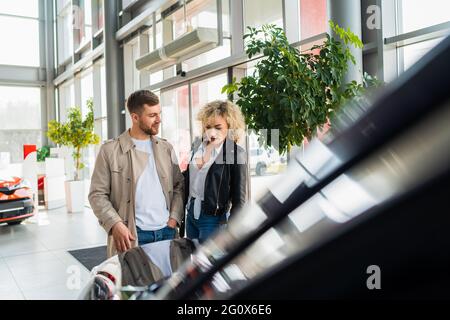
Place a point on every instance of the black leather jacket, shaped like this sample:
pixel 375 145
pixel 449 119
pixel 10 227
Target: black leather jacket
pixel 226 181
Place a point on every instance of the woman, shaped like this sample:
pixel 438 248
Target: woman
pixel 217 172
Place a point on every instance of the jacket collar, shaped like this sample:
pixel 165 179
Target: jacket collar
pixel 127 144
pixel 226 152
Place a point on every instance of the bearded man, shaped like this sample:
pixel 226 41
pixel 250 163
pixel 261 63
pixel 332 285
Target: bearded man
pixel 137 188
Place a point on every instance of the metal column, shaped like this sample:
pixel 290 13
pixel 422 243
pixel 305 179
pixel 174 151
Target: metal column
pixel 237 26
pixel 347 14
pixel 48 108
pixel 115 99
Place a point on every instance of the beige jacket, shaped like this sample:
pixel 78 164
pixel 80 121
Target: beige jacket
pixel 113 185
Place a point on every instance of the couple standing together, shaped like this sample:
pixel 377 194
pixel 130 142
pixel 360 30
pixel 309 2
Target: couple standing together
pixel 138 192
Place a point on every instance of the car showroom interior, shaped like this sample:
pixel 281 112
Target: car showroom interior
pixel 224 149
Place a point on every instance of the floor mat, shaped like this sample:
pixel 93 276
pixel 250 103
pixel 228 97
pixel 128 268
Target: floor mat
pixel 90 257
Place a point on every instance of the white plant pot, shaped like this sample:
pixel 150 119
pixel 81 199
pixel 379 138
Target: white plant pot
pixel 41 168
pixel 75 196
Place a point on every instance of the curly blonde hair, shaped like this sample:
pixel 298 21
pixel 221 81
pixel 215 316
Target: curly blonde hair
pixel 229 111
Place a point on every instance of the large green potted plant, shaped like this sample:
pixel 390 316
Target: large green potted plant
pixel 77 133
pixel 292 91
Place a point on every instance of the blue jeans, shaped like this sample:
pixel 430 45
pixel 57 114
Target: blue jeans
pixel 203 227
pixel 145 237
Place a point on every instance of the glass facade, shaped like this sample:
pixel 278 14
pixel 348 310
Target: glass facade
pixel 313 18
pixel 66 99
pixel 417 14
pixel 82 22
pixel 412 53
pixel 20 37
pixel 21 51
pixel 100 15
pixel 64 32
pixel 257 13
pixel 78 23
pixel 20 119
pixel 175 121
pixel 202 92
pixel 199 14
pixel 87 90
pixel 26 8
pixel 414 15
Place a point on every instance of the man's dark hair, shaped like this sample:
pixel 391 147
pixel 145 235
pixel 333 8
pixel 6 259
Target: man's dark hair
pixel 136 100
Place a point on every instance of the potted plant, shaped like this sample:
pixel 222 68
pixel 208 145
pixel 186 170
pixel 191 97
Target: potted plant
pixel 291 91
pixel 78 134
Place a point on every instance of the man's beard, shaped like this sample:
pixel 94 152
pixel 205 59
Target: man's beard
pixel 148 130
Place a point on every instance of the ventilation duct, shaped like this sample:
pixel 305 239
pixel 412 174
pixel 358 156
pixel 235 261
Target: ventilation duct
pixel 186 46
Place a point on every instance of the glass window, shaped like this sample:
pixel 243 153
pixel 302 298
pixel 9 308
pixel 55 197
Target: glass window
pixel 87 90
pixel 101 17
pixel 159 35
pixel 62 4
pixel 175 122
pixel 83 22
pixel 65 35
pixel 135 56
pixel 104 129
pixel 205 91
pixel 265 164
pixel 199 13
pixel 313 17
pixel 132 79
pixel 417 14
pixel 256 14
pixel 149 34
pixel 20 108
pixel 156 77
pixel 103 89
pixel 26 8
pixel 87 9
pixel 101 121
pixel 412 53
pixel 131 74
pixel 66 99
pixel 20 119
pixel 208 57
pixel 20 41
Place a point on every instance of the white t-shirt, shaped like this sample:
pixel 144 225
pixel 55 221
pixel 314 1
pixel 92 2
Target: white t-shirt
pixel 150 208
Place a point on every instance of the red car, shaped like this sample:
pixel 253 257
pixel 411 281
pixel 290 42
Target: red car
pixel 16 200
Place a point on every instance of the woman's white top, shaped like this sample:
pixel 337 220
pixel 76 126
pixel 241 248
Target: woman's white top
pixel 197 177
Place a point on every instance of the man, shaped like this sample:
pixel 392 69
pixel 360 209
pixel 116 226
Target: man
pixel 137 187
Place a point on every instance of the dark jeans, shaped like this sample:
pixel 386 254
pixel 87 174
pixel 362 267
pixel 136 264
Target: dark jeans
pixel 203 227
pixel 145 237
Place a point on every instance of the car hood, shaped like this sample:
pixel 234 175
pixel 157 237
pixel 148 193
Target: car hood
pixel 12 188
pixel 10 183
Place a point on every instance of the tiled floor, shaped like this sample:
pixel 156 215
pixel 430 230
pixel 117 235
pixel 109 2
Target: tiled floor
pixel 34 262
